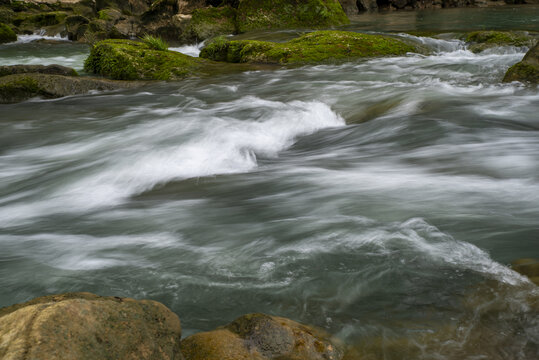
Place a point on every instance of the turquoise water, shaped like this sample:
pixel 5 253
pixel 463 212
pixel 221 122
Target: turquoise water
pixel 382 200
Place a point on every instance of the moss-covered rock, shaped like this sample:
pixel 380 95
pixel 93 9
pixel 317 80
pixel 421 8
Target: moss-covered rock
pixel 87 327
pixel 19 87
pixel 7 34
pixel 526 70
pixel 275 14
pixel 39 69
pixel 261 337
pixel 133 60
pixel 312 48
pixel 212 21
pixel 482 40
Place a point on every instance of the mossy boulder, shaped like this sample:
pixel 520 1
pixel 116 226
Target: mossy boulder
pixel 133 60
pixel 40 69
pixel 311 48
pixel 212 21
pixel 19 87
pixel 7 34
pixel 482 40
pixel 276 14
pixel 526 70
pixel 261 337
pixel 85 326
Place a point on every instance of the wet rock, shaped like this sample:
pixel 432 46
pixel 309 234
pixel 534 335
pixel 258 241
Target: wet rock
pixel 312 48
pixel 526 70
pixel 20 87
pixel 76 26
pixel 131 7
pixel 84 326
pixel 266 14
pixel 41 69
pixel 212 21
pixel 481 40
pixel 132 60
pixel 261 337
pixel 6 34
pixel 527 267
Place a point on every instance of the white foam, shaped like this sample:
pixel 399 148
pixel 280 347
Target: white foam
pixel 39 35
pixel 181 145
pixel 191 50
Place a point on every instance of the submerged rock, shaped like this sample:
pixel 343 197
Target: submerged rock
pixel 311 48
pixel 482 40
pixel 526 70
pixel 133 60
pixel 275 14
pixel 20 87
pixel 527 267
pixel 261 337
pixel 85 326
pixel 6 34
pixel 40 69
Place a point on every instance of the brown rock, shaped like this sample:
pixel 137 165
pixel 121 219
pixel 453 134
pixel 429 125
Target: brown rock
pixel 86 326
pixel 527 267
pixel 19 87
pixel 261 337
pixel 42 69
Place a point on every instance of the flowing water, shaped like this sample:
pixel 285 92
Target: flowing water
pixel 380 199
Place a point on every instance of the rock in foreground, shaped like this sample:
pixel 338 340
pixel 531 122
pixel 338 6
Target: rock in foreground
pixel 527 70
pixel 84 326
pixel 312 48
pixel 261 337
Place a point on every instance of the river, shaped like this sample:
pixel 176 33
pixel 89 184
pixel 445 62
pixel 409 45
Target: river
pixel 381 200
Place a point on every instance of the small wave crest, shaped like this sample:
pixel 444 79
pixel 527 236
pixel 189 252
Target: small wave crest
pixel 195 143
pixel 39 35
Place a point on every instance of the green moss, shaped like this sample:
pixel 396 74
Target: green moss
pixel 522 72
pixel 7 34
pixel 132 60
pixel 23 87
pixel 481 40
pixel 41 19
pixel 274 14
pixel 103 15
pixel 211 21
pixel 312 48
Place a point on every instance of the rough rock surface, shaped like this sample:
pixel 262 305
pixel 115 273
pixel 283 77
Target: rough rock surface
pixel 527 267
pixel 84 326
pixel 526 70
pixel 266 14
pixel 41 69
pixel 131 60
pixel 312 48
pixel 483 40
pixel 20 87
pixel 6 34
pixel 261 337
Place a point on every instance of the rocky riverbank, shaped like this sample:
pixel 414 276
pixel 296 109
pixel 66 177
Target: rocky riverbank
pixel 86 326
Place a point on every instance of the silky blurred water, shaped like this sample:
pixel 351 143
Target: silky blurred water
pixel 381 199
